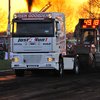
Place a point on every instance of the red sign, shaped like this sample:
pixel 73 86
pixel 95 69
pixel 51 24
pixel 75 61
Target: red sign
pixel 89 23
pixel 32 15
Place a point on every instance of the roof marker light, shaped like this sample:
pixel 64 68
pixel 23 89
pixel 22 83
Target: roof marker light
pixel 15 16
pixel 50 16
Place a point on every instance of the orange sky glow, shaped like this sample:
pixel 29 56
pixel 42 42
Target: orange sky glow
pixel 17 5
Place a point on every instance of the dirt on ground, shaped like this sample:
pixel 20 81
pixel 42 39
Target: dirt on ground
pixel 84 86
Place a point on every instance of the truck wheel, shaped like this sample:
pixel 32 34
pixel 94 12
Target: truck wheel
pixel 59 73
pixel 76 66
pixel 19 72
pixel 93 65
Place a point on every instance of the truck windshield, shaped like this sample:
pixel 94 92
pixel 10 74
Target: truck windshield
pixel 89 37
pixel 37 29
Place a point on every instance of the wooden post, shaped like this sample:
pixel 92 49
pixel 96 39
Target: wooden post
pixel 9 33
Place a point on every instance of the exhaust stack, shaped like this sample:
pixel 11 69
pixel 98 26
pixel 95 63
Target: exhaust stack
pixel 29 4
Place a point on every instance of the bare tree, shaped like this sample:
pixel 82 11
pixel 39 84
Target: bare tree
pixel 84 9
pixel 58 6
pixel 63 7
pixel 84 12
pixel 95 8
pixel 3 20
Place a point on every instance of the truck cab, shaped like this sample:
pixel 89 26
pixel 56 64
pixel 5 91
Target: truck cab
pixel 38 41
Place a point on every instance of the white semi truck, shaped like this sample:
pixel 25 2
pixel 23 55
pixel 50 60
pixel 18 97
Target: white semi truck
pixel 39 42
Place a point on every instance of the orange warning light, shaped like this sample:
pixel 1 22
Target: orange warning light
pixel 93 26
pixel 84 26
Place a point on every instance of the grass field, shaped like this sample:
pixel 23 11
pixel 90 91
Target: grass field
pixel 5 64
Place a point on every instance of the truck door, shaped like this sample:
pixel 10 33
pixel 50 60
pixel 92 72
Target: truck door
pixel 60 38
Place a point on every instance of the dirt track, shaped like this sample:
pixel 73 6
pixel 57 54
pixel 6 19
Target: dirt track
pixel 85 86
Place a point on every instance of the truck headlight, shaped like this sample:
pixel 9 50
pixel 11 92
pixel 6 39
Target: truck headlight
pixel 50 59
pixel 15 59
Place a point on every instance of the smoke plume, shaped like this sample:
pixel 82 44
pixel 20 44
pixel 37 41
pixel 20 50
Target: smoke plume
pixel 29 4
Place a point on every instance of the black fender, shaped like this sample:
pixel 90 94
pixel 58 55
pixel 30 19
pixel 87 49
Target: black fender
pixel 61 57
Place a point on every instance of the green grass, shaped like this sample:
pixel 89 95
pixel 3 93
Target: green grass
pixel 5 64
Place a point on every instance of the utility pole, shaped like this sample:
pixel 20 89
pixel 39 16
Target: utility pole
pixel 90 9
pixel 9 32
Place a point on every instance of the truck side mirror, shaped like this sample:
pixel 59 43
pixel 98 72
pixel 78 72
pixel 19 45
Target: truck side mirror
pixel 58 28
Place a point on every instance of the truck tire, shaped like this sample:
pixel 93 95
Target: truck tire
pixel 76 66
pixel 19 73
pixel 93 65
pixel 59 73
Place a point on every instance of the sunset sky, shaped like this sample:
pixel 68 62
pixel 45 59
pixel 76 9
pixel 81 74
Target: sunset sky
pixel 17 5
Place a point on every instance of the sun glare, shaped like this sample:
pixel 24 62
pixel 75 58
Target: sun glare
pixel 21 5
pixel 34 9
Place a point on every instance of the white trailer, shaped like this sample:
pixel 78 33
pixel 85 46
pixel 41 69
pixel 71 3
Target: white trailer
pixel 39 42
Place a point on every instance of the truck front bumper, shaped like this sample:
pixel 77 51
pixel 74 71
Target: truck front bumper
pixel 35 61
pixel 35 66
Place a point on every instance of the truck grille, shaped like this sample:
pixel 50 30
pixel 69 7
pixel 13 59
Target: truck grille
pixel 33 58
